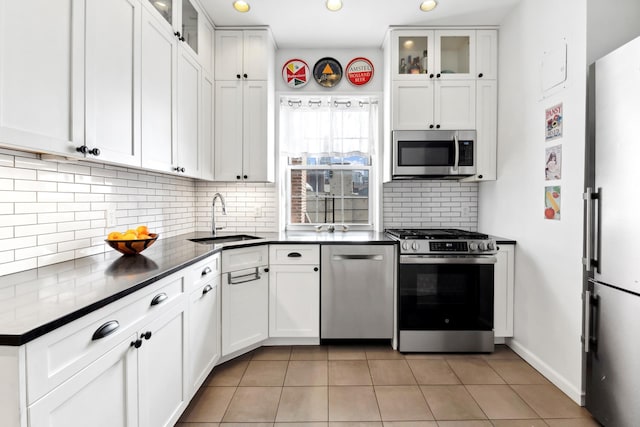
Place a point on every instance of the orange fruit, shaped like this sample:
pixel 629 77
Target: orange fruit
pixel 131 231
pixel 142 229
pixel 143 236
pixel 129 236
pixel 114 235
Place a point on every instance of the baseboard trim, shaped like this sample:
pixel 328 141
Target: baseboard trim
pixel 551 374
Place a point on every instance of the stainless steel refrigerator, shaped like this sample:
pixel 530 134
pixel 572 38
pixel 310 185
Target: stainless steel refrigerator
pixel 611 335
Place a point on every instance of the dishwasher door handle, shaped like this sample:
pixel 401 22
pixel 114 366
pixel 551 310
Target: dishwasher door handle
pixel 244 278
pixel 357 256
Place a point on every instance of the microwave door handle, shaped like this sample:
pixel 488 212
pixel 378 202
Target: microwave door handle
pixel 456 148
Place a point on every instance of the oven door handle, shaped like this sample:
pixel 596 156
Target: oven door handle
pixel 418 259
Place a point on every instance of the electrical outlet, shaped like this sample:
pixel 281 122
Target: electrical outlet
pixel 110 216
pixel 465 211
pixel 257 212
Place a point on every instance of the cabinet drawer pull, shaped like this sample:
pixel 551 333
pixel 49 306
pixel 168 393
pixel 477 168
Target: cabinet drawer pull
pixel 244 278
pixel 207 289
pixel 107 329
pixel 206 271
pixel 315 269
pixel 160 298
pixel 294 255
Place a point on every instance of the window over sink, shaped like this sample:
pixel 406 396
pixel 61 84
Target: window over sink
pixel 328 152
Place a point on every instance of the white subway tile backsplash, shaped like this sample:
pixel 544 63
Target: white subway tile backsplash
pixel 17 196
pixel 74 168
pixel 45 239
pixel 35 251
pixel 55 197
pixel 6 232
pixel 34 230
pixel 55 217
pixel 54 176
pixel 21 208
pixel 430 204
pixel 17 243
pixel 55 258
pixel 11 220
pixel 6 184
pixel 6 160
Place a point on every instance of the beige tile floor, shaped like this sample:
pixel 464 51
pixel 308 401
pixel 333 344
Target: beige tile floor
pixel 374 386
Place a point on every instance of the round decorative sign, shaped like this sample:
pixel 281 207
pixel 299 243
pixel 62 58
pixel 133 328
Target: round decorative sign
pixel 295 73
pixel 327 72
pixel 360 71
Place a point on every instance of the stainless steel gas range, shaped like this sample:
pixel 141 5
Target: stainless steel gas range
pixel 445 290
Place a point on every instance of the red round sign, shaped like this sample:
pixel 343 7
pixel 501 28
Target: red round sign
pixel 359 71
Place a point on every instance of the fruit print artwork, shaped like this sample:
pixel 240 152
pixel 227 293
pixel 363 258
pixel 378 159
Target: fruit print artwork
pixel 552 202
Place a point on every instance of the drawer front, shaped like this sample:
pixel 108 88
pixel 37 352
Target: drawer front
pixel 294 254
pixel 58 355
pixel 204 271
pixel 242 258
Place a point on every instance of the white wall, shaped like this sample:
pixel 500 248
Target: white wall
pixel 610 27
pixel 548 273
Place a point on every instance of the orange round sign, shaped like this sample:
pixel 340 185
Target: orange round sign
pixel 359 71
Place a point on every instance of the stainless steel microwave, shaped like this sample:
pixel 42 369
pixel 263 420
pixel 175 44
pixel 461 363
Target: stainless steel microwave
pixel 433 153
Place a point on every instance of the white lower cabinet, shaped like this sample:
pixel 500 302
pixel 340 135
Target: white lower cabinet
pixel 122 365
pixel 102 395
pixel 245 298
pixel 294 291
pixel 161 369
pixel 503 291
pixel 204 331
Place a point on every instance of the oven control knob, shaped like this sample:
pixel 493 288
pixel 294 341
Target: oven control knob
pixel 473 246
pixel 415 246
pixel 405 245
pixel 491 246
pixel 482 247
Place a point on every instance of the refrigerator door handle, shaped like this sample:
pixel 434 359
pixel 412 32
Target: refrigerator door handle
pixel 591 230
pixel 587 320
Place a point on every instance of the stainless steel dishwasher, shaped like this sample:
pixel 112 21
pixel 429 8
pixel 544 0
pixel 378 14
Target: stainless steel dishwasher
pixel 356 289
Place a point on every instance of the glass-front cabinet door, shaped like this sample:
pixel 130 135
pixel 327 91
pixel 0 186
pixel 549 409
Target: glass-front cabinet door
pixel 165 9
pixel 182 16
pixel 190 25
pixel 413 54
pixel 455 54
pixel 433 54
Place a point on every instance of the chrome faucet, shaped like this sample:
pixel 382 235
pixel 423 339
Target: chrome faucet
pixel 213 211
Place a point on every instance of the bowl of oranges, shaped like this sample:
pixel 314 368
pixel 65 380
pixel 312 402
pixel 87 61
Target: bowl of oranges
pixel 132 241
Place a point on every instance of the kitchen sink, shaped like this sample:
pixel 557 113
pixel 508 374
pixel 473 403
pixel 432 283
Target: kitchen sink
pixel 224 239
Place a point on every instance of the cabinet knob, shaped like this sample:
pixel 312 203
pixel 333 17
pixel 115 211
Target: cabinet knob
pixel 136 343
pixel 94 151
pixel 438 75
pixel 437 126
pixel 430 126
pixel 82 149
pixel 479 176
pixel 179 169
pixel 431 75
pixel 146 335
pixel 237 76
pixel 480 75
pixel 177 34
pixel 266 270
pixel 238 177
pixel 315 268
pixel 245 75
pixel 245 177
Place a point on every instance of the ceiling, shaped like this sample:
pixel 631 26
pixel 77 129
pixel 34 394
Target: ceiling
pixel 360 23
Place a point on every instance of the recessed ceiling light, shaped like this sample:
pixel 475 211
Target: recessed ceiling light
pixel 334 5
pixel 241 6
pixel 428 5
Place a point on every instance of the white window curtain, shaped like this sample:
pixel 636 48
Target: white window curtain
pixel 328 126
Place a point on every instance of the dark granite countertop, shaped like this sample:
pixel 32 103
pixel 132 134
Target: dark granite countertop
pixel 37 301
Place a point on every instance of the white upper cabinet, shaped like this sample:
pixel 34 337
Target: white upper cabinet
pixel 243 54
pixel 177 97
pixel 487 54
pixel 112 80
pixel 433 54
pixel 158 93
pixel 42 106
pixel 185 20
pixel 244 110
